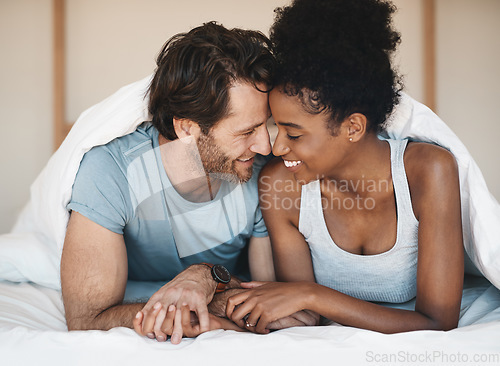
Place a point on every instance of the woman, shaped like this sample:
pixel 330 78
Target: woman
pixel 355 220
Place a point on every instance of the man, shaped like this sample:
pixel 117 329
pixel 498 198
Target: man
pixel 177 192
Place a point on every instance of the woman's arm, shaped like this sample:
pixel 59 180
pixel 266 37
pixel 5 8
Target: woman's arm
pixel 433 178
pixel 260 259
pixel 279 195
pixel 435 188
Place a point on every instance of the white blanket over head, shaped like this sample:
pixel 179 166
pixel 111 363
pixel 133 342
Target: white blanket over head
pixel 32 251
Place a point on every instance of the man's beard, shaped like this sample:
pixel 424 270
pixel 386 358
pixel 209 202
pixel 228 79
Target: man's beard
pixel 214 160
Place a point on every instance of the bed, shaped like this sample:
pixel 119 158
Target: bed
pixel 33 331
pixel 32 325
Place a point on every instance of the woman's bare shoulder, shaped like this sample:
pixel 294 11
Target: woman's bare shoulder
pixel 432 174
pixel 428 161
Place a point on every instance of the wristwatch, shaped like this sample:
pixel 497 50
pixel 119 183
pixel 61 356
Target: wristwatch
pixel 220 274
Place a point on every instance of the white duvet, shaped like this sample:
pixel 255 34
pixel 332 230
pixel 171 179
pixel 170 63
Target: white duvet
pixel 31 315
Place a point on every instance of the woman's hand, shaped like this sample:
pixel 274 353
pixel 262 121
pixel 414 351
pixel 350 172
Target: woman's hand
pixel 267 303
pixel 301 318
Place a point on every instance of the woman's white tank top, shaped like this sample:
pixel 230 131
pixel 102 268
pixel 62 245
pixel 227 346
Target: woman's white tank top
pixel 390 276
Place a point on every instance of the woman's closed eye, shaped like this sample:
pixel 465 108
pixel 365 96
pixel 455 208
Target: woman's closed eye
pixel 292 137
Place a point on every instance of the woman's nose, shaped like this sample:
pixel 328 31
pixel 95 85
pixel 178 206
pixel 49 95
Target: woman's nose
pixel 280 148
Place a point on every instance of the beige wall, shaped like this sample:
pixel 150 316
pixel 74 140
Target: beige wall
pixel 468 78
pixel 25 100
pixel 113 42
pixel 407 21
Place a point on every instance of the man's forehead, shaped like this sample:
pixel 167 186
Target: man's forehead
pixel 248 106
pixel 238 125
pixel 241 94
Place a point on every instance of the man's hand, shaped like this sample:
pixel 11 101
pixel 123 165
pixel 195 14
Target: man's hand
pixel 218 305
pixel 299 319
pixel 189 322
pixel 189 325
pixel 192 289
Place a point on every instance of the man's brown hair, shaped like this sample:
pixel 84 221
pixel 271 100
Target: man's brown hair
pixel 196 70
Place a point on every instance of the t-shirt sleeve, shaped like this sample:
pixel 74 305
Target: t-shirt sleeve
pixel 259 227
pixel 100 190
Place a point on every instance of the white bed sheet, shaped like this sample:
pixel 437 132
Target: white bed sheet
pixel 33 332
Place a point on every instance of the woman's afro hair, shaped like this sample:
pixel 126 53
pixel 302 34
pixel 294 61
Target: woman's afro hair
pixel 335 55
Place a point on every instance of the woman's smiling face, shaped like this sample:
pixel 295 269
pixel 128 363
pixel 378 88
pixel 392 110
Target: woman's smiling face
pixel 304 141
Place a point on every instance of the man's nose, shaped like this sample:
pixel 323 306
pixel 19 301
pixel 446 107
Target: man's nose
pixel 261 144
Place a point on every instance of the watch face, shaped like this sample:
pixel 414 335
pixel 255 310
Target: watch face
pixel 221 274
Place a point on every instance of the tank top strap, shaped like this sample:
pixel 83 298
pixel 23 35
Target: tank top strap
pixel 400 181
pixel 310 207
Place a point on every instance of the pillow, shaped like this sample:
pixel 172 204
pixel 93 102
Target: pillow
pixel 27 257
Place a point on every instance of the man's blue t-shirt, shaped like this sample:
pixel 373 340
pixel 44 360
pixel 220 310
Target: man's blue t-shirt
pixel 123 187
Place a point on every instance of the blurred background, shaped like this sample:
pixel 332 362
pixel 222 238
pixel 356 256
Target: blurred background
pixel 110 43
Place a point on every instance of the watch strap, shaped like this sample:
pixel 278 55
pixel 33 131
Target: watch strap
pixel 221 287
